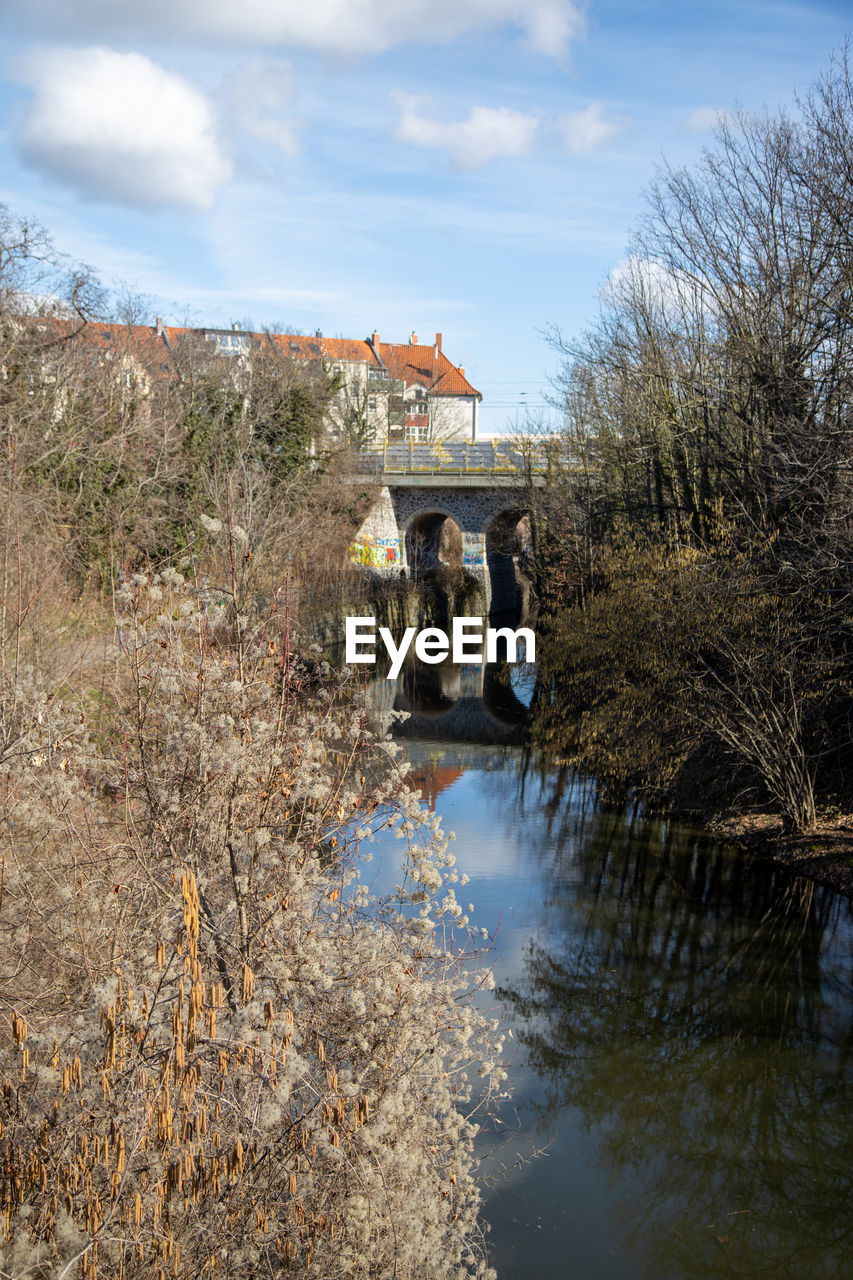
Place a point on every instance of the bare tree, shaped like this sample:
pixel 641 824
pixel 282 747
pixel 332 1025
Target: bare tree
pixel 708 413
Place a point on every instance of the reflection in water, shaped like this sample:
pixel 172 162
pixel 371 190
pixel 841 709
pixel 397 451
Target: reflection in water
pixel 682 1001
pixel 683 1015
pixel 459 703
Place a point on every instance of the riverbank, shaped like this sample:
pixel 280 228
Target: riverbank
pixel 618 705
pixel 824 855
pixel 187 916
pixel 658 982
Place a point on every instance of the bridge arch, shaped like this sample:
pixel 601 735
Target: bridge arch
pixel 508 549
pixel 433 538
pixel 407 526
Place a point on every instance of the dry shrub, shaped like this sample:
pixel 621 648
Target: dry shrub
pixel 223 1055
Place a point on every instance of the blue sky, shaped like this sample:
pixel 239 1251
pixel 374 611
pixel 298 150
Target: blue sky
pixel 473 167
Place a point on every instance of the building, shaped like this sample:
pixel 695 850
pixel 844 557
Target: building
pixel 387 392
pixel 438 401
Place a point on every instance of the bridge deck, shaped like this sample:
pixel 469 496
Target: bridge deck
pixel 492 462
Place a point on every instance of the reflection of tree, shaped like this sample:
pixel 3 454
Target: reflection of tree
pixel 695 1022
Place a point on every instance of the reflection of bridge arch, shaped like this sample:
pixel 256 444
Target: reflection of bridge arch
pixel 429 690
pixel 470 703
pixel 499 697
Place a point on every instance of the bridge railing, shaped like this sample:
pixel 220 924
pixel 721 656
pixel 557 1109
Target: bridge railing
pixel 453 458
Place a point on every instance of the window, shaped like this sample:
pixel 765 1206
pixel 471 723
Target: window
pixel 372 404
pixel 232 344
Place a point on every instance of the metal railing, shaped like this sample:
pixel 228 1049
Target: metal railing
pixel 454 458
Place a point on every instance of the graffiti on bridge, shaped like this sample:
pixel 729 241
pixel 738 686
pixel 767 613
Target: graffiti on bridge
pixel 375 553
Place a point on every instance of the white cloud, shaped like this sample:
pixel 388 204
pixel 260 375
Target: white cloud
pixel 550 27
pixel 257 94
pixel 488 133
pixel 703 119
pixel 117 126
pixel 638 276
pixel 331 26
pixel 585 130
pixel 661 288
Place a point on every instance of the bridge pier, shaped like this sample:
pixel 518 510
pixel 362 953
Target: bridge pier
pixel 378 544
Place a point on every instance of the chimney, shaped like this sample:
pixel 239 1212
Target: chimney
pixel 462 370
pixel 158 326
pixel 318 333
pixel 438 344
pixel 235 326
pixel 375 339
pixel 413 339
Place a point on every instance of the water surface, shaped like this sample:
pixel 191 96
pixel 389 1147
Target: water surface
pixel 681 1032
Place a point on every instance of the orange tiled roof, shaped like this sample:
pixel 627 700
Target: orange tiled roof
pixel 428 366
pixel 140 342
pixel 298 345
pixel 352 350
pixel 158 351
pixel 412 363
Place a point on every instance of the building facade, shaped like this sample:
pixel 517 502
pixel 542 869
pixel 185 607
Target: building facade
pixel 388 392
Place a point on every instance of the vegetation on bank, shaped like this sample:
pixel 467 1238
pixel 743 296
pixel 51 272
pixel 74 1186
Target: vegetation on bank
pixel 695 538
pixel 220 1054
pixel 114 442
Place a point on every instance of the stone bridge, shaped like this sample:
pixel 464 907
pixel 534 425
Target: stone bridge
pixel 457 504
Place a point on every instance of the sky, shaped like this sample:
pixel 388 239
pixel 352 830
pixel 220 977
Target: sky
pixel 469 167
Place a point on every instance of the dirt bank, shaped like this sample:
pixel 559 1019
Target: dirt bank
pixel 824 855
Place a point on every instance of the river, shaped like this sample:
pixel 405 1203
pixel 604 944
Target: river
pixel 679 1015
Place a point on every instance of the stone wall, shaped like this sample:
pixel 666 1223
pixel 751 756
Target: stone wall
pixel 378 544
pixel 381 541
